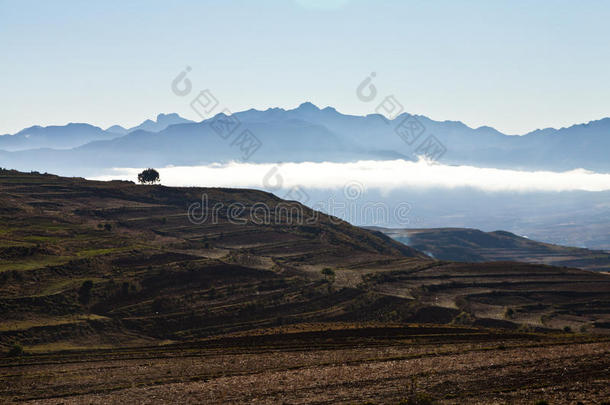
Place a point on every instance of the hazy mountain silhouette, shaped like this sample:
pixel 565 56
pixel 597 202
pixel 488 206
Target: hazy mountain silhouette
pixel 163 121
pixel 57 137
pixel 76 134
pixel 306 133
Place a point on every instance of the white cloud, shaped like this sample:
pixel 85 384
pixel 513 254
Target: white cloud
pixel 382 175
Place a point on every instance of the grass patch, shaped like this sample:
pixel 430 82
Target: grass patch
pixel 61 346
pixel 14 243
pixel 40 238
pixel 63 285
pixel 4 231
pixel 103 251
pixel 35 263
pixel 51 321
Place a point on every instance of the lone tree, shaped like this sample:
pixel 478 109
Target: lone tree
pixel 148 176
pixel 329 274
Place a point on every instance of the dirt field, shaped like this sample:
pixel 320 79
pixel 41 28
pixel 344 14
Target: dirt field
pixel 352 365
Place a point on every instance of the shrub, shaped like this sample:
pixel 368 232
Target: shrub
pixel 567 329
pixel 108 227
pixel 84 292
pixel 328 272
pixel 541 402
pixel 509 313
pixel 128 288
pixel 16 350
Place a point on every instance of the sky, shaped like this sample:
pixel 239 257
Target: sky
pixel 513 65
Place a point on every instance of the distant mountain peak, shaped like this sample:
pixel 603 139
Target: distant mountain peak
pixel 32 128
pixel 378 116
pixel 274 109
pixel 163 121
pixel 543 132
pixel 307 106
pixel 487 130
pixel 162 117
pixel 117 129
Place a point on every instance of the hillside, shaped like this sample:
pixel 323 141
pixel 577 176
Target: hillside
pixel 114 264
pixel 473 245
pixel 115 295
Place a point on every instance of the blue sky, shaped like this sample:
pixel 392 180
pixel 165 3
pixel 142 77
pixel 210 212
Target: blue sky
pixel 514 65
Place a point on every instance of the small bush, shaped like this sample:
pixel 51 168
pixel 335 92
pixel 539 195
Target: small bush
pixel 509 313
pixel 129 288
pixel 567 329
pixel 541 402
pixel 84 292
pixel 328 272
pixel 16 350
pixel 108 227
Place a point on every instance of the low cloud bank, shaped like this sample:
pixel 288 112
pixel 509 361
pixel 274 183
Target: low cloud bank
pixel 382 175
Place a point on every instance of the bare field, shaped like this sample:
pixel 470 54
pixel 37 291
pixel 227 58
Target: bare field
pixel 340 364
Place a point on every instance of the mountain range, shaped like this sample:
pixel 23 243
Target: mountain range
pixel 75 134
pixel 306 133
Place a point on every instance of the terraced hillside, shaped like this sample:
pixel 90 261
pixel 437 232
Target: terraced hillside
pixel 88 264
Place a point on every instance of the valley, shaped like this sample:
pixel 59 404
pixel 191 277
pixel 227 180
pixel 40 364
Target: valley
pixel 473 245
